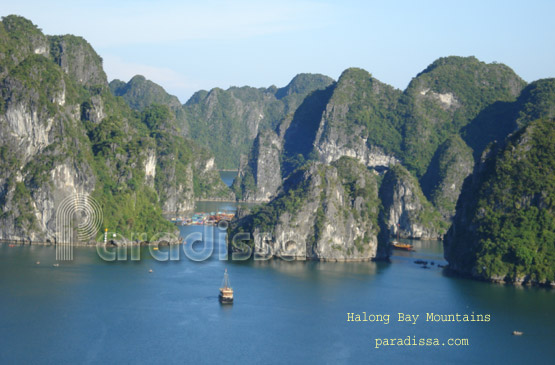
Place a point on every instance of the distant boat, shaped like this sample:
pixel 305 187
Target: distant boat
pixel 402 246
pixel 226 292
pixel 517 333
pixel 397 244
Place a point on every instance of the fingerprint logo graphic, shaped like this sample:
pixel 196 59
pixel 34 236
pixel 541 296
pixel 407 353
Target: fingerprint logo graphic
pixel 78 219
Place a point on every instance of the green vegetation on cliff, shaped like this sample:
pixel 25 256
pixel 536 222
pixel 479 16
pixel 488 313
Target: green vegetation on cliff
pixel 140 93
pixel 498 120
pixel 505 226
pixel 294 193
pixel 400 192
pixel 445 97
pixel 19 38
pixel 165 116
pixel 129 206
pixel 442 183
pixel 299 137
pixel 227 121
pixel 371 105
pixel 39 74
pixel 332 208
pixel 68 133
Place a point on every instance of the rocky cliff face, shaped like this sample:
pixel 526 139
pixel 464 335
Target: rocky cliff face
pixel 443 180
pixel 207 181
pixel 174 182
pixel 62 133
pixel 77 58
pixel 362 118
pixel 140 93
pixel 191 170
pixel 325 212
pixel 504 218
pixel 447 96
pixel 20 39
pixel 259 176
pixel 338 121
pixel 228 121
pixel 359 104
pixel 277 153
pixel 406 209
pixel 40 166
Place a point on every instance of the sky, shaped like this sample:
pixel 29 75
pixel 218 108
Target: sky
pixel 186 46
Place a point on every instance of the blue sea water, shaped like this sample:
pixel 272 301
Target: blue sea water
pixel 92 311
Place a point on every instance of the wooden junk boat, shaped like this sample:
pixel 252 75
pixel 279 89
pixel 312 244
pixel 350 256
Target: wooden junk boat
pixel 226 292
pixel 401 246
pixel 398 245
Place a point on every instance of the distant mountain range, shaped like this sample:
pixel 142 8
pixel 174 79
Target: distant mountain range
pixel 423 145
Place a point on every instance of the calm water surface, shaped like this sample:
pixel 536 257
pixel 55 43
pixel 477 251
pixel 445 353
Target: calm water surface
pixel 228 177
pixel 92 311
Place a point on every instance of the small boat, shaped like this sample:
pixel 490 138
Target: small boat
pixel 226 292
pixel 398 245
pixel 517 333
pixel 56 265
pixel 402 246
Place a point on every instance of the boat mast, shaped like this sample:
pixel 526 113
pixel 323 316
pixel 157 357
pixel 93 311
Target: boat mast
pixel 225 283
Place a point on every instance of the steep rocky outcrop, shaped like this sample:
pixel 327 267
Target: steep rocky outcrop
pixel 140 93
pixel 277 153
pixel 207 182
pixel 360 121
pixel 324 212
pixel 443 180
pixel 505 219
pixel 406 209
pixel 19 38
pixel 355 117
pixel 259 176
pixel 316 151
pixel 41 163
pixel 228 121
pixel 360 117
pixel 196 165
pixel 63 134
pixel 77 58
pixel 447 96
pixel 498 120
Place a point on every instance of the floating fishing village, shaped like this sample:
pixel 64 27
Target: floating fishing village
pixel 202 218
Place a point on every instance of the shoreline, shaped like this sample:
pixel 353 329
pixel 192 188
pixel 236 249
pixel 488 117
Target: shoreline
pixel 15 243
pixel 447 270
pixel 516 283
pixel 216 200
